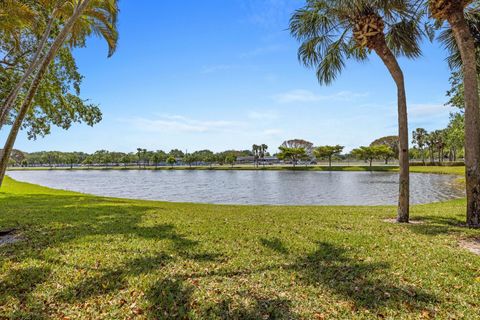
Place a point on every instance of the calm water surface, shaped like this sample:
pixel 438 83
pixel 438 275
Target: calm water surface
pixel 249 187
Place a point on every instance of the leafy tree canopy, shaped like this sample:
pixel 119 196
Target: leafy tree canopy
pixel 372 153
pixel 327 152
pixel 390 141
pixel 57 101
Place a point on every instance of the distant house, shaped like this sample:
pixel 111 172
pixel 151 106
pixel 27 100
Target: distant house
pixel 251 160
pixel 246 160
pixel 270 160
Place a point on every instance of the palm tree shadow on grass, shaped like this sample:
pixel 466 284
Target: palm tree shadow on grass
pixel 259 308
pixel 435 225
pixel 82 216
pixel 19 284
pixel 173 299
pixel 366 284
pixel 274 244
pixel 113 279
pixel 170 299
pixel 329 266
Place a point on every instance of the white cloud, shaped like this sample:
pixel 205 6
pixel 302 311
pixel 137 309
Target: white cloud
pixel 263 115
pixel 262 51
pixel 301 95
pixel 429 116
pixel 271 77
pixel 427 110
pixel 217 68
pixel 272 132
pixel 177 123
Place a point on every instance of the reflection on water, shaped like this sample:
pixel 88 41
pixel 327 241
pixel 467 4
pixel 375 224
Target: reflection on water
pixel 249 187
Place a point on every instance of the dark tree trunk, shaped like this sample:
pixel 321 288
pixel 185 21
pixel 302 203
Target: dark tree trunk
pixel 466 45
pixel 391 63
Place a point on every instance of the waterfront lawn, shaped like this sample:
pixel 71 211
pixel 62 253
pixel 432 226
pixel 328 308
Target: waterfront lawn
pixel 87 257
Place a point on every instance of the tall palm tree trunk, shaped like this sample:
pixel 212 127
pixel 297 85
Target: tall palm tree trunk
pixel 34 64
pixel 47 59
pixel 390 61
pixel 466 45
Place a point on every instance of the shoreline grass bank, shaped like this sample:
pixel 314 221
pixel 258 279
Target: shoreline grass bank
pixel 83 257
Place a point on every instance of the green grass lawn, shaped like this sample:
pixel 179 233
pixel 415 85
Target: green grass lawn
pixel 87 257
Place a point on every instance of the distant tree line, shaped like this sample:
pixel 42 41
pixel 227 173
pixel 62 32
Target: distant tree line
pixel 433 147
pixel 440 145
pixel 141 158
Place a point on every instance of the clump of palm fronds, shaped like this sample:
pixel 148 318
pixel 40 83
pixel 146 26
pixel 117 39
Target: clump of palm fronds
pixel 441 9
pixel 367 28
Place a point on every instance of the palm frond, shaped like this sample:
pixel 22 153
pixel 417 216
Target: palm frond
pixel 332 31
pixel 404 38
pixel 447 38
pixel 99 19
pixel 15 17
pixel 332 62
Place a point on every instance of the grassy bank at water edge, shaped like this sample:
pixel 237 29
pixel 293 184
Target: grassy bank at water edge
pixel 88 257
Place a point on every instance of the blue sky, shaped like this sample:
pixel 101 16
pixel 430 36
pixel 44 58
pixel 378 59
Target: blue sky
pixel 223 74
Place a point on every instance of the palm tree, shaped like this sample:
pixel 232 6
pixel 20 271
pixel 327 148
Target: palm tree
pixel 456 14
pixel 263 152
pixel 440 137
pixel 44 15
pixel 18 12
pixel 87 17
pixel 334 31
pixel 419 138
pixel 255 151
pixel 141 154
pixel 431 141
pixel 171 161
pixel 14 17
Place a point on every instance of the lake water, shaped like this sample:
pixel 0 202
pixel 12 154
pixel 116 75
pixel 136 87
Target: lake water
pixel 249 187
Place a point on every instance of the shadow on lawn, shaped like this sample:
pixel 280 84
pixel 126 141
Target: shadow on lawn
pixel 79 216
pixel 173 299
pixel 170 299
pixel 109 280
pixel 435 225
pixel 19 284
pixel 47 221
pixel 366 284
pixel 274 244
